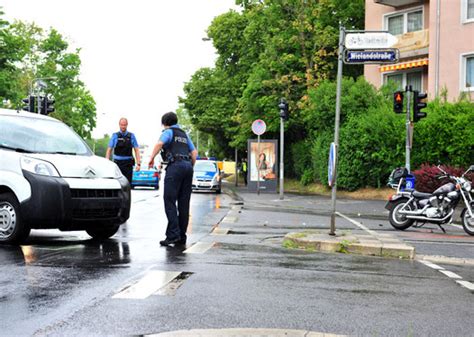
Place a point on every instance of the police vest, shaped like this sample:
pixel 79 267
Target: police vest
pixel 124 145
pixel 178 149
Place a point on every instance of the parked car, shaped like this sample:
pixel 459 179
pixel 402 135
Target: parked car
pixel 207 176
pixel 149 177
pixel 49 178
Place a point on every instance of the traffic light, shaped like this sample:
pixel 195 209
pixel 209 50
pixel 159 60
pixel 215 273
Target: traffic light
pixel 30 103
pixel 418 105
pixel 398 102
pixel 46 105
pixel 284 113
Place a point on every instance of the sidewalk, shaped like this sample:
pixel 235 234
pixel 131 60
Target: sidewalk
pixel 309 204
pixel 362 241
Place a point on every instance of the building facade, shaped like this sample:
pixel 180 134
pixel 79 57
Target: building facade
pixel 436 43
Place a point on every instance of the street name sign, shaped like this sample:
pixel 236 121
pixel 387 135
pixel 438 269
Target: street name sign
pixel 370 40
pixel 371 56
pixel 259 127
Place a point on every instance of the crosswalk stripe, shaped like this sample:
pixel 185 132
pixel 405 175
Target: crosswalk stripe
pixel 147 285
pixel 199 248
pixel 466 284
pixel 450 274
pixel 432 265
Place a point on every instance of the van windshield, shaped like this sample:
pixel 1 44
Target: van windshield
pixel 36 135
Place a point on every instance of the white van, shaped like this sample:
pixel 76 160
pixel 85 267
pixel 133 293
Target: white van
pixel 49 178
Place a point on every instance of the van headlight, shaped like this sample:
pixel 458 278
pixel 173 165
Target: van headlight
pixel 118 174
pixel 38 166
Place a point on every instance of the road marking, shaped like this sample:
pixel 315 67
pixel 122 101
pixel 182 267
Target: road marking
pixel 147 285
pixel 220 231
pixel 431 265
pixel 243 332
pixel 467 285
pixel 171 288
pixel 450 274
pixel 199 248
pixel 358 224
pixel 445 260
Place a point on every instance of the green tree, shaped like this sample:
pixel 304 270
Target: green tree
pixel 28 52
pixel 270 49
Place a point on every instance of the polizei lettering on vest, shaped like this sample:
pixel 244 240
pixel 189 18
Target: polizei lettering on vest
pixel 179 139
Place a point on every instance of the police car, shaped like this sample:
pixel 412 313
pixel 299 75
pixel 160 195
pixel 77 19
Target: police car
pixel 147 177
pixel 49 178
pixel 207 176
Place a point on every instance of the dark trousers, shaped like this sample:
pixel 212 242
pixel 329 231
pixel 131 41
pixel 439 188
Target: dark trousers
pixel 244 173
pixel 126 167
pixel 178 188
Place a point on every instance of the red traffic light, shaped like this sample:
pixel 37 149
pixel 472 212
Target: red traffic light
pixel 398 97
pixel 398 102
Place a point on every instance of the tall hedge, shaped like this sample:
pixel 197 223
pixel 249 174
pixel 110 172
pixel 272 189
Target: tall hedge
pixel 446 135
pixel 372 136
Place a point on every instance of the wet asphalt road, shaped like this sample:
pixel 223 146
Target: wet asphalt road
pixel 63 284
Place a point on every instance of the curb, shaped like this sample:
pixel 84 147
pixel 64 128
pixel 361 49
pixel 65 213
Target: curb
pixel 243 333
pixel 350 244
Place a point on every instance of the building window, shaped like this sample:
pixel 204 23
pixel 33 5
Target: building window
pixel 467 10
pixel 406 22
pixel 467 73
pixel 407 78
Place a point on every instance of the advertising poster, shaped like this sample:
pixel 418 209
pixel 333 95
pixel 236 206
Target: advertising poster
pixel 263 164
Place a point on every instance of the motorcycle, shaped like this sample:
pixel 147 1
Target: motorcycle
pixel 410 206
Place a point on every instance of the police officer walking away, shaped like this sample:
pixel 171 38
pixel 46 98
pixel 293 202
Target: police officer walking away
pixel 123 142
pixel 180 153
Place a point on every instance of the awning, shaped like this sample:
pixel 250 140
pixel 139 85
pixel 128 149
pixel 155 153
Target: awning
pixel 405 65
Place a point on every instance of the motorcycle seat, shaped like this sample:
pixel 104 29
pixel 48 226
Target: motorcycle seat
pixel 421 195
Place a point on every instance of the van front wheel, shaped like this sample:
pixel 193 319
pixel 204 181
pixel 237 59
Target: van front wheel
pixel 12 229
pixel 102 233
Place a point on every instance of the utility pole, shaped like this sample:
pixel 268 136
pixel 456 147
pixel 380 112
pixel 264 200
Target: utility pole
pixel 408 90
pixel 342 33
pixel 284 116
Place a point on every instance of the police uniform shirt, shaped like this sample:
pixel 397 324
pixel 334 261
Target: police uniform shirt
pixel 167 137
pixel 113 143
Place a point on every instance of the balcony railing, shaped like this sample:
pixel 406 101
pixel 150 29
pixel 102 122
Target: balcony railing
pixel 413 44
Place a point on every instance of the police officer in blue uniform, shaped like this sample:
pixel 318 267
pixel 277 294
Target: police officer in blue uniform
pixel 179 151
pixel 123 143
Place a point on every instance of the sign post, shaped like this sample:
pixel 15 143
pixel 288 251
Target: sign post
pixel 355 47
pixel 258 127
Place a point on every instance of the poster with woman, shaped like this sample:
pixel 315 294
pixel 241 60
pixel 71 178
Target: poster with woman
pixel 263 162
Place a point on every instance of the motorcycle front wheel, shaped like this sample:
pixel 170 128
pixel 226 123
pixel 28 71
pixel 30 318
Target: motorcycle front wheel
pixel 397 220
pixel 467 222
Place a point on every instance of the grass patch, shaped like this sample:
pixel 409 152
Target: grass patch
pixel 343 246
pixel 299 235
pixel 294 186
pixel 289 244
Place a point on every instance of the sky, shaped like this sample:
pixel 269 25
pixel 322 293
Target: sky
pixel 136 54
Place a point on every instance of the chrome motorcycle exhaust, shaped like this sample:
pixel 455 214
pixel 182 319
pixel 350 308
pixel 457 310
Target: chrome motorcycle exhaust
pixel 432 220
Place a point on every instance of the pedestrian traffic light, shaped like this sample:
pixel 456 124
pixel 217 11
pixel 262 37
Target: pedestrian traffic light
pixel 30 104
pixel 284 113
pixel 47 106
pixel 418 105
pixel 398 102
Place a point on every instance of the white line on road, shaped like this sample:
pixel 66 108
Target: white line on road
pixel 147 285
pixel 467 285
pixel 450 274
pixel 358 224
pixel 431 265
pixel 199 248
